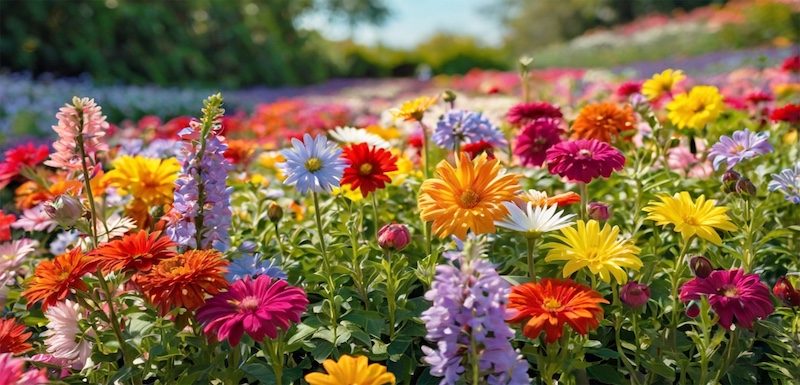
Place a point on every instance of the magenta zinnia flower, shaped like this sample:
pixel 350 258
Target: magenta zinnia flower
pixel 584 159
pixel 735 296
pixel 535 139
pixel 524 113
pixel 258 307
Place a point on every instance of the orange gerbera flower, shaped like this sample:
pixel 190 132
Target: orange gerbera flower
pixel 30 193
pixel 13 337
pixel 467 197
pixel 184 280
pixel 602 121
pixel 239 152
pixel 134 251
pixel 551 303
pixel 54 280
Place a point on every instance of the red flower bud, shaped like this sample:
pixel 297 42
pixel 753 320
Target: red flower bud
pixel 693 310
pixel 393 237
pixel 784 290
pixel 701 266
pixel 634 294
pixel 598 211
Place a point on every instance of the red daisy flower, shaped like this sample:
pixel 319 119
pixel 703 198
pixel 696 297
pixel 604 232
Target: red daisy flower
pixel 789 113
pixel 524 113
pixel 583 160
pixel 134 251
pixel 23 155
pixel 476 149
pixel 5 225
pixel 13 337
pixel 54 280
pixel 535 139
pixel 368 167
pixel 791 64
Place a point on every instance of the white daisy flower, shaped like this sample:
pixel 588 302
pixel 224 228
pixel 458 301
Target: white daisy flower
pixel 352 135
pixel 64 337
pixel 535 220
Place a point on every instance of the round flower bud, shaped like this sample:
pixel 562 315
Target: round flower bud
pixel 274 212
pixel 393 237
pixel 693 310
pixel 729 180
pixel 598 211
pixel 745 186
pixel 701 266
pixel 785 292
pixel 65 209
pixel 634 294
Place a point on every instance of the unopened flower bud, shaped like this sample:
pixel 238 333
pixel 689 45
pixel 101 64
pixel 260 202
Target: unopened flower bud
pixel 785 292
pixel 745 186
pixel 729 180
pixel 449 96
pixel 65 209
pixel 274 212
pixel 248 247
pixel 393 237
pixel 693 310
pixel 598 211
pixel 634 294
pixel 701 266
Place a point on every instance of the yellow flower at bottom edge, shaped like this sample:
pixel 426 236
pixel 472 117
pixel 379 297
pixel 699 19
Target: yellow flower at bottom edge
pixel 702 105
pixel 351 371
pixel 586 245
pixel 467 197
pixel 690 218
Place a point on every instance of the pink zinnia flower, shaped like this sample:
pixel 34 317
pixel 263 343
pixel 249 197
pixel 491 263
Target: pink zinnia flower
pixel 258 307
pixel 583 160
pixel 535 139
pixel 83 118
pixel 17 157
pixel 13 372
pixel 735 296
pixel 524 113
pixel 629 88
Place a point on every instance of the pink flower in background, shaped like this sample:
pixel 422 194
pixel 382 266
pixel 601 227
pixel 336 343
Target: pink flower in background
pixel 13 372
pixel 535 139
pixel 35 219
pixel 735 296
pixel 11 256
pixel 257 306
pixel 82 118
pixel 681 159
pixel 525 113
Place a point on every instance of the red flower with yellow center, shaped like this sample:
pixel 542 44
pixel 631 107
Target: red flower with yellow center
pixel 134 251
pixel 602 122
pixel 551 303
pixel 368 167
pixel 54 280
pixel 184 280
pixel 13 338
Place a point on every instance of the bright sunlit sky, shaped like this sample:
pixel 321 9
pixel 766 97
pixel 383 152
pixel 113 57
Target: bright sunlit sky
pixel 413 21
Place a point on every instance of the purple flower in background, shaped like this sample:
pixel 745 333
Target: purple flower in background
pixel 788 182
pixel 466 127
pixel 253 266
pixel 744 145
pixel 469 304
pixel 211 169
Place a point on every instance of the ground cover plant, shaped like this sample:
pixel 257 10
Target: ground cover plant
pixel 576 229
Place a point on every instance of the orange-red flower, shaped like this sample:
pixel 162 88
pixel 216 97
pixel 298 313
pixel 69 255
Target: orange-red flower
pixel 134 251
pixel 54 280
pixel 551 303
pixel 602 122
pixel 30 193
pixel 184 280
pixel 13 338
pixel 368 167
pixel 239 152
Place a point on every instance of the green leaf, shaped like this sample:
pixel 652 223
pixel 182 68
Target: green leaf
pixel 322 350
pixel 258 371
pixel 399 345
pixel 606 374
pixel 661 369
pixel 603 353
pixel 125 374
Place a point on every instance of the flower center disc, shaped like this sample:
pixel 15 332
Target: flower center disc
pixel 249 303
pixel 313 164
pixel 469 198
pixel 551 304
pixel 365 169
pixel 728 291
pixel 585 153
pixel 690 220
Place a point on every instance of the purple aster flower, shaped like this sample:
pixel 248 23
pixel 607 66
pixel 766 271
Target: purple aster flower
pixel 313 164
pixel 744 145
pixel 469 299
pixel 788 182
pixel 466 127
pixel 253 266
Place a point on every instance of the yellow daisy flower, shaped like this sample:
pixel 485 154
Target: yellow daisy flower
pixel 661 84
pixel 351 371
pixel 700 106
pixel 347 192
pixel 690 218
pixel 149 180
pixel 586 245
pixel 467 197
pixel 387 133
pixel 405 168
pixel 414 109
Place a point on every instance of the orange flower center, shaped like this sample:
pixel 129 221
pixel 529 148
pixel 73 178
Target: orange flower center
pixel 728 291
pixel 365 169
pixel 249 303
pixel 690 220
pixel 469 198
pixel 313 164
pixel 739 148
pixel 551 304
pixel 169 266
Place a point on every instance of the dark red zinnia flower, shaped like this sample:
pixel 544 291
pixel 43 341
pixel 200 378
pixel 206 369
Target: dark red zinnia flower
pixel 791 64
pixel 784 290
pixel 22 155
pixel 583 160
pixel 629 88
pixel 524 113
pixel 535 139
pixel 789 113
pixel 13 338
pixel 368 167
pixel 737 298
pixel 477 148
pixel 758 97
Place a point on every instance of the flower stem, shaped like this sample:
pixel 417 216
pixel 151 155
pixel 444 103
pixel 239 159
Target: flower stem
pixel 584 201
pixel 729 360
pixel 425 150
pixel 112 315
pixel 531 258
pixel 326 264
pixel 359 275
pixel 280 243
pixel 678 270
pixel 391 293
pixel 375 213
pixel 88 186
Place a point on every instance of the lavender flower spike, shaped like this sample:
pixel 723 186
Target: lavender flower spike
pixel 744 145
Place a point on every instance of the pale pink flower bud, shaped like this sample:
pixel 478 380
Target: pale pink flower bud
pixel 393 237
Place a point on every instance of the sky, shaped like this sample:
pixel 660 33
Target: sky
pixel 414 21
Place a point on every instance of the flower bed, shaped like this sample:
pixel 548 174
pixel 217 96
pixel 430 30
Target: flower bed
pixel 611 232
